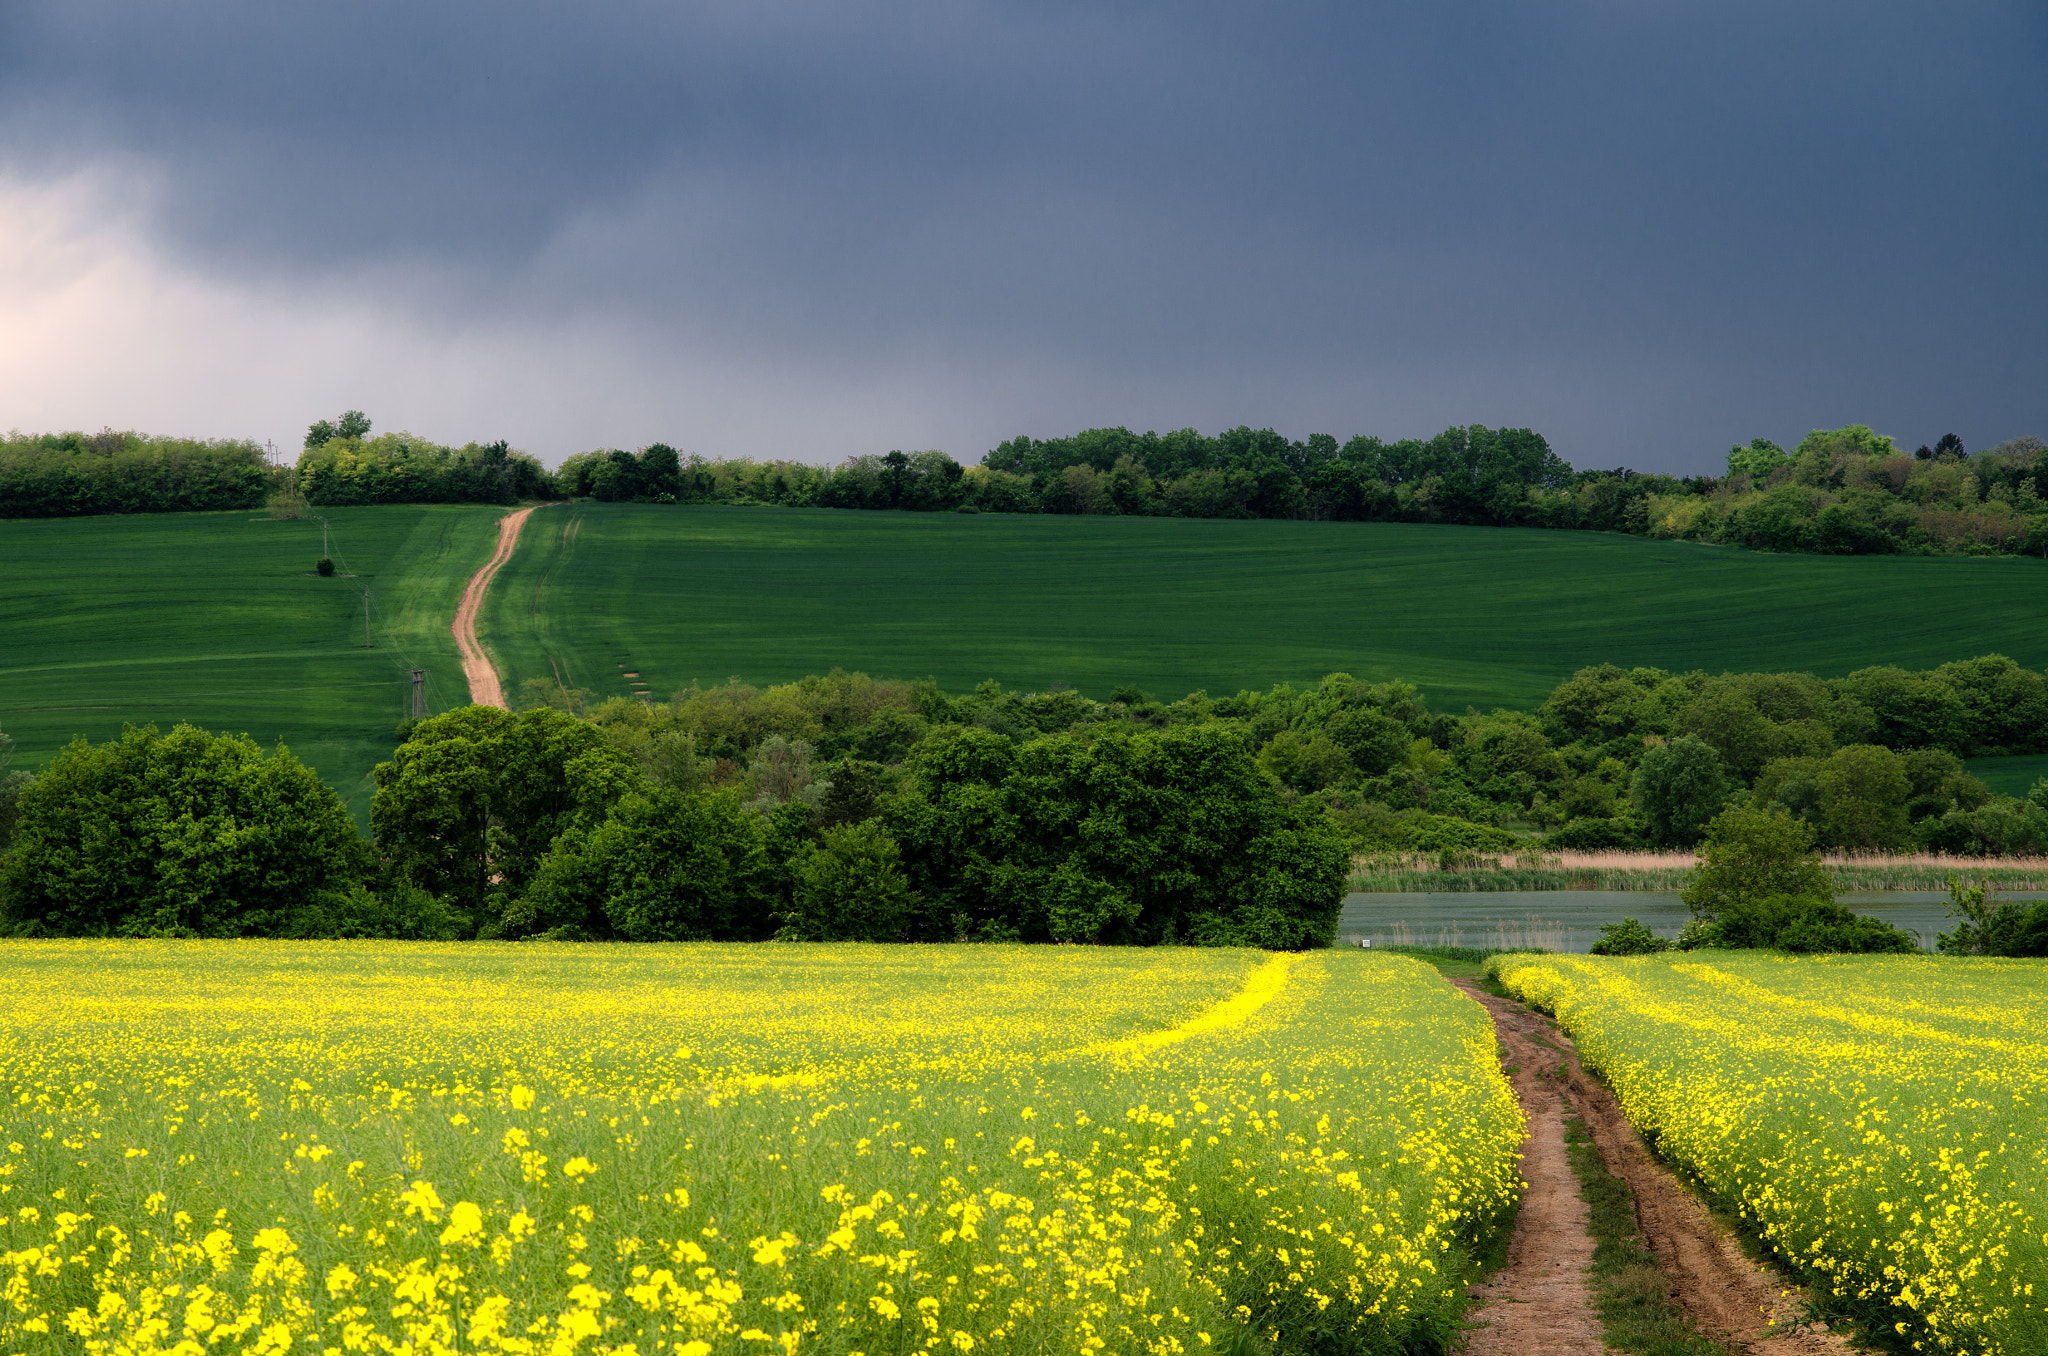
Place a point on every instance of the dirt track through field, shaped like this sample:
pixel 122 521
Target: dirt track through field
pixel 484 689
pixel 1730 1297
pixel 1539 1302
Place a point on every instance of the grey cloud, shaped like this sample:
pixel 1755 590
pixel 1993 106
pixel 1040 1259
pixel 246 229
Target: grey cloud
pixel 1648 231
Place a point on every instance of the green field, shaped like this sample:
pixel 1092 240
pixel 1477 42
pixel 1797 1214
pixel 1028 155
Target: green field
pixel 2010 776
pixel 219 619
pixel 1485 616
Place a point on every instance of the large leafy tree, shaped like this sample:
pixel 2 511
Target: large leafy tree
pixel 1751 855
pixel 1863 795
pixel 1174 834
pixel 662 866
pixel 186 834
pixel 473 800
pixel 1677 787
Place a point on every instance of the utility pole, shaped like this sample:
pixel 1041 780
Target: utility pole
pixel 366 617
pixel 419 694
pixel 323 539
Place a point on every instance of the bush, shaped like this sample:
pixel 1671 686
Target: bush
pixel 325 567
pixel 181 835
pixel 1628 938
pixel 1803 925
pixel 1592 835
pixel 850 889
pixel 1989 926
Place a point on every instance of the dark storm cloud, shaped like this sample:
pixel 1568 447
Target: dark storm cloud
pixel 1646 229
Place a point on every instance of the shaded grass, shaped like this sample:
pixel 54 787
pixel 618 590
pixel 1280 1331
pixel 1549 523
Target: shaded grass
pixel 1630 1290
pixel 220 620
pixel 2009 776
pixel 1456 962
pixel 1480 616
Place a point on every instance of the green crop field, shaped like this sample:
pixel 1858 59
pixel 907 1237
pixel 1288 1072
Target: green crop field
pixel 219 619
pixel 1485 616
pixel 2011 776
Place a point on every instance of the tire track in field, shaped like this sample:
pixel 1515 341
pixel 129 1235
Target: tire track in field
pixel 1735 1301
pixel 484 689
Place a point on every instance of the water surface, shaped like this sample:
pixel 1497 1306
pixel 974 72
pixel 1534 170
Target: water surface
pixel 1570 920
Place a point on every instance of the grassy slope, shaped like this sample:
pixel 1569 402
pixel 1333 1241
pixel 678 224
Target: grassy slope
pixel 1486 616
pixel 2011 776
pixel 218 619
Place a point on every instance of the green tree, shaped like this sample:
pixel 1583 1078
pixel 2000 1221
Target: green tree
pixel 12 784
pixel 1863 795
pixel 352 424
pixel 1171 834
pixel 473 800
pixel 663 866
pixel 1677 787
pixel 187 834
pixel 1752 854
pixel 851 888
pixel 1758 460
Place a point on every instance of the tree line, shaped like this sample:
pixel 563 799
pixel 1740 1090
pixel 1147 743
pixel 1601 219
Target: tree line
pixel 842 807
pixel 1845 491
pixel 64 475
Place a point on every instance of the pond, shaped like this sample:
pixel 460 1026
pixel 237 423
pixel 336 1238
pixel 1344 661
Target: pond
pixel 1570 920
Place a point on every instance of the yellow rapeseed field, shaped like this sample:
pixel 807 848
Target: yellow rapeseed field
pixel 1880 1118
pixel 376 1147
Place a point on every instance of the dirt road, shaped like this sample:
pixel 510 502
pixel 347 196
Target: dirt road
pixel 1731 1298
pixel 1539 1303
pixel 476 666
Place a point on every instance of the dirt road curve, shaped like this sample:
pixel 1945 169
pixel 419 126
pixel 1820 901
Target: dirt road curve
pixel 1729 1296
pixel 476 666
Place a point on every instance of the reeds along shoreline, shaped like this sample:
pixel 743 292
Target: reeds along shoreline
pixel 1668 871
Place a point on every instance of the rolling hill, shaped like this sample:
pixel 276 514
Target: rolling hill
pixel 219 619
pixel 1479 616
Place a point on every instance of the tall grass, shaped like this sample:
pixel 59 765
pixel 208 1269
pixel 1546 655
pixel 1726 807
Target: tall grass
pixel 1668 871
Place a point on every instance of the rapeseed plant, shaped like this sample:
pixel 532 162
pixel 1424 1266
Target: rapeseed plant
pixel 1879 1119
pixel 421 1149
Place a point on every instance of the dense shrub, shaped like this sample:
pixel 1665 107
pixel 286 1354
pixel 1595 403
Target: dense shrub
pixel 179 835
pixel 56 475
pixel 1989 926
pixel 1628 938
pixel 1803 925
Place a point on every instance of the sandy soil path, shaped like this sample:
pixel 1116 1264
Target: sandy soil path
pixel 1539 1303
pixel 476 666
pixel 1731 1298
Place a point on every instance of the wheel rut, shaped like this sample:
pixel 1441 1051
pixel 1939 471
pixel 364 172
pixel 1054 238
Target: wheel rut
pixel 1744 1306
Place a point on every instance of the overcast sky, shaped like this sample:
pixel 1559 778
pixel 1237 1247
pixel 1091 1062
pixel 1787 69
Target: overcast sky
pixel 1645 229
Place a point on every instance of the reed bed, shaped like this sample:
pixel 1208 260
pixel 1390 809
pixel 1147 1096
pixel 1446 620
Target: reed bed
pixel 1854 873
